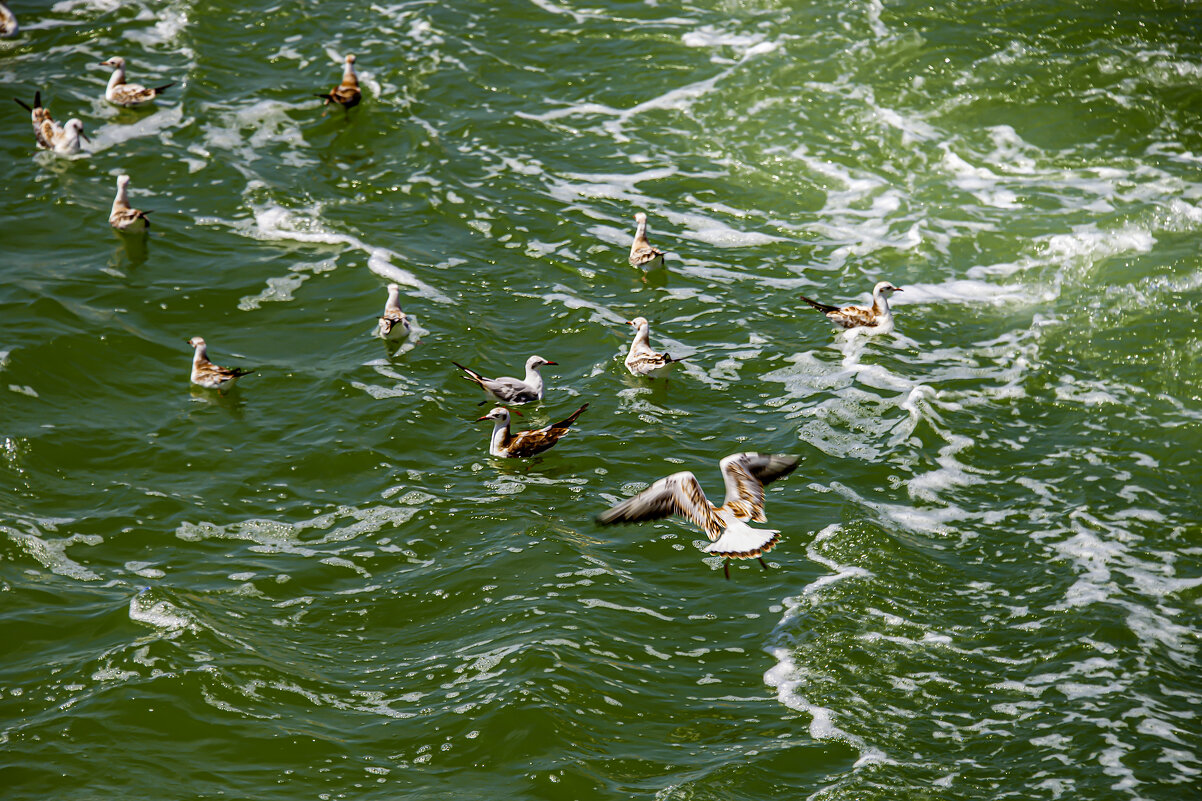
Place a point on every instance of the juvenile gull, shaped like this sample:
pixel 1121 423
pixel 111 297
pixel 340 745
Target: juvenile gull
pixel 208 375
pixel 125 94
pixel 878 315
pixel 524 444
pixel 124 218
pixel 511 390
pixel 642 360
pixel 8 22
pixel 746 475
pixel 642 254
pixel 345 94
pixel 62 139
pixel 394 325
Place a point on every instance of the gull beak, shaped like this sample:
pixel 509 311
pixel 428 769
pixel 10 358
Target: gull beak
pixel 515 411
pixel 554 363
pixel 485 417
pixel 85 137
pixel 897 289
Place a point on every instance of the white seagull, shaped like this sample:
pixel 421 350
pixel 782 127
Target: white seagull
pixel 345 94
pixel 125 94
pixel 746 475
pixel 642 360
pixel 524 444
pixel 394 325
pixel 642 254
pixel 124 218
pixel 511 390
pixel 208 375
pixel 62 139
pixel 8 22
pixel 878 315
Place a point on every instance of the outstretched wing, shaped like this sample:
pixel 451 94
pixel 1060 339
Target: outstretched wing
pixel 746 474
pixel 678 494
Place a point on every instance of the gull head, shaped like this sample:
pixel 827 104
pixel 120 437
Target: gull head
pixel 122 182
pixel 885 286
pixel 535 362
pixel 640 218
pixel 638 322
pixel 197 342
pixel 500 414
pixel 74 127
pixel 116 62
pixel 350 59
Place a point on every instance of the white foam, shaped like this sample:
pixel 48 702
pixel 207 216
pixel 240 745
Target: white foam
pixel 159 615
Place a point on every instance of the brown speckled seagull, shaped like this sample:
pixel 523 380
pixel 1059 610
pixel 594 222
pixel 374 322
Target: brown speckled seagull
pixel 345 94
pixel 746 475
pixel 208 375
pixel 642 360
pixel 524 444
pixel 123 218
pixel 62 139
pixel 8 23
pixel 129 95
pixel 878 315
pixel 393 324
pixel 642 254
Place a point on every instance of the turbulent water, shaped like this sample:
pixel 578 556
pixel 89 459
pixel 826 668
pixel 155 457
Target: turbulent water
pixel 321 586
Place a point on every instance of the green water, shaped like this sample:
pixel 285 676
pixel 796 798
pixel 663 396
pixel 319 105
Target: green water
pixel 321 585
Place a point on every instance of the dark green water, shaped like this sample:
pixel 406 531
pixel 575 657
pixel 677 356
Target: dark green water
pixel 321 586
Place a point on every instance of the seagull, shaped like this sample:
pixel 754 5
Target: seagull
pixel 642 360
pixel 62 139
pixel 123 218
pixel 8 23
pixel 511 390
pixel 394 325
pixel 878 315
pixel 746 475
pixel 345 94
pixel 524 444
pixel 642 254
pixel 125 94
pixel 208 375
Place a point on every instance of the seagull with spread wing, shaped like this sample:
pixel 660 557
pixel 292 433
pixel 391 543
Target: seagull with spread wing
pixel 746 475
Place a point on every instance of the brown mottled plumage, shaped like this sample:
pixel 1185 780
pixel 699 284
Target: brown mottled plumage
pixel 524 444
pixel 642 254
pixel 681 494
pixel 122 217
pixel 129 95
pixel 878 315
pixel 211 376
pixel 63 139
pixel 345 94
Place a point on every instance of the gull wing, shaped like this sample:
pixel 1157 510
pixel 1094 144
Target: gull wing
pixel 528 443
pixel 509 390
pixel 678 494
pixel 746 474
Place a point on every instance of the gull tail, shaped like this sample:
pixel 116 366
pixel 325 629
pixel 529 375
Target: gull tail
pixel 741 541
pixel 822 307
pixel 472 375
pixel 241 371
pixel 24 105
pixel 571 418
pixel 670 360
pixel 160 89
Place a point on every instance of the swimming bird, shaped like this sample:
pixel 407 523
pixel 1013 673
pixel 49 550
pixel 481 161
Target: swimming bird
pixel 642 254
pixel 345 94
pixel 524 444
pixel 124 218
pixel 642 360
pixel 394 325
pixel 511 390
pixel 746 475
pixel 208 375
pixel 8 22
pixel 125 94
pixel 878 315
pixel 62 139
